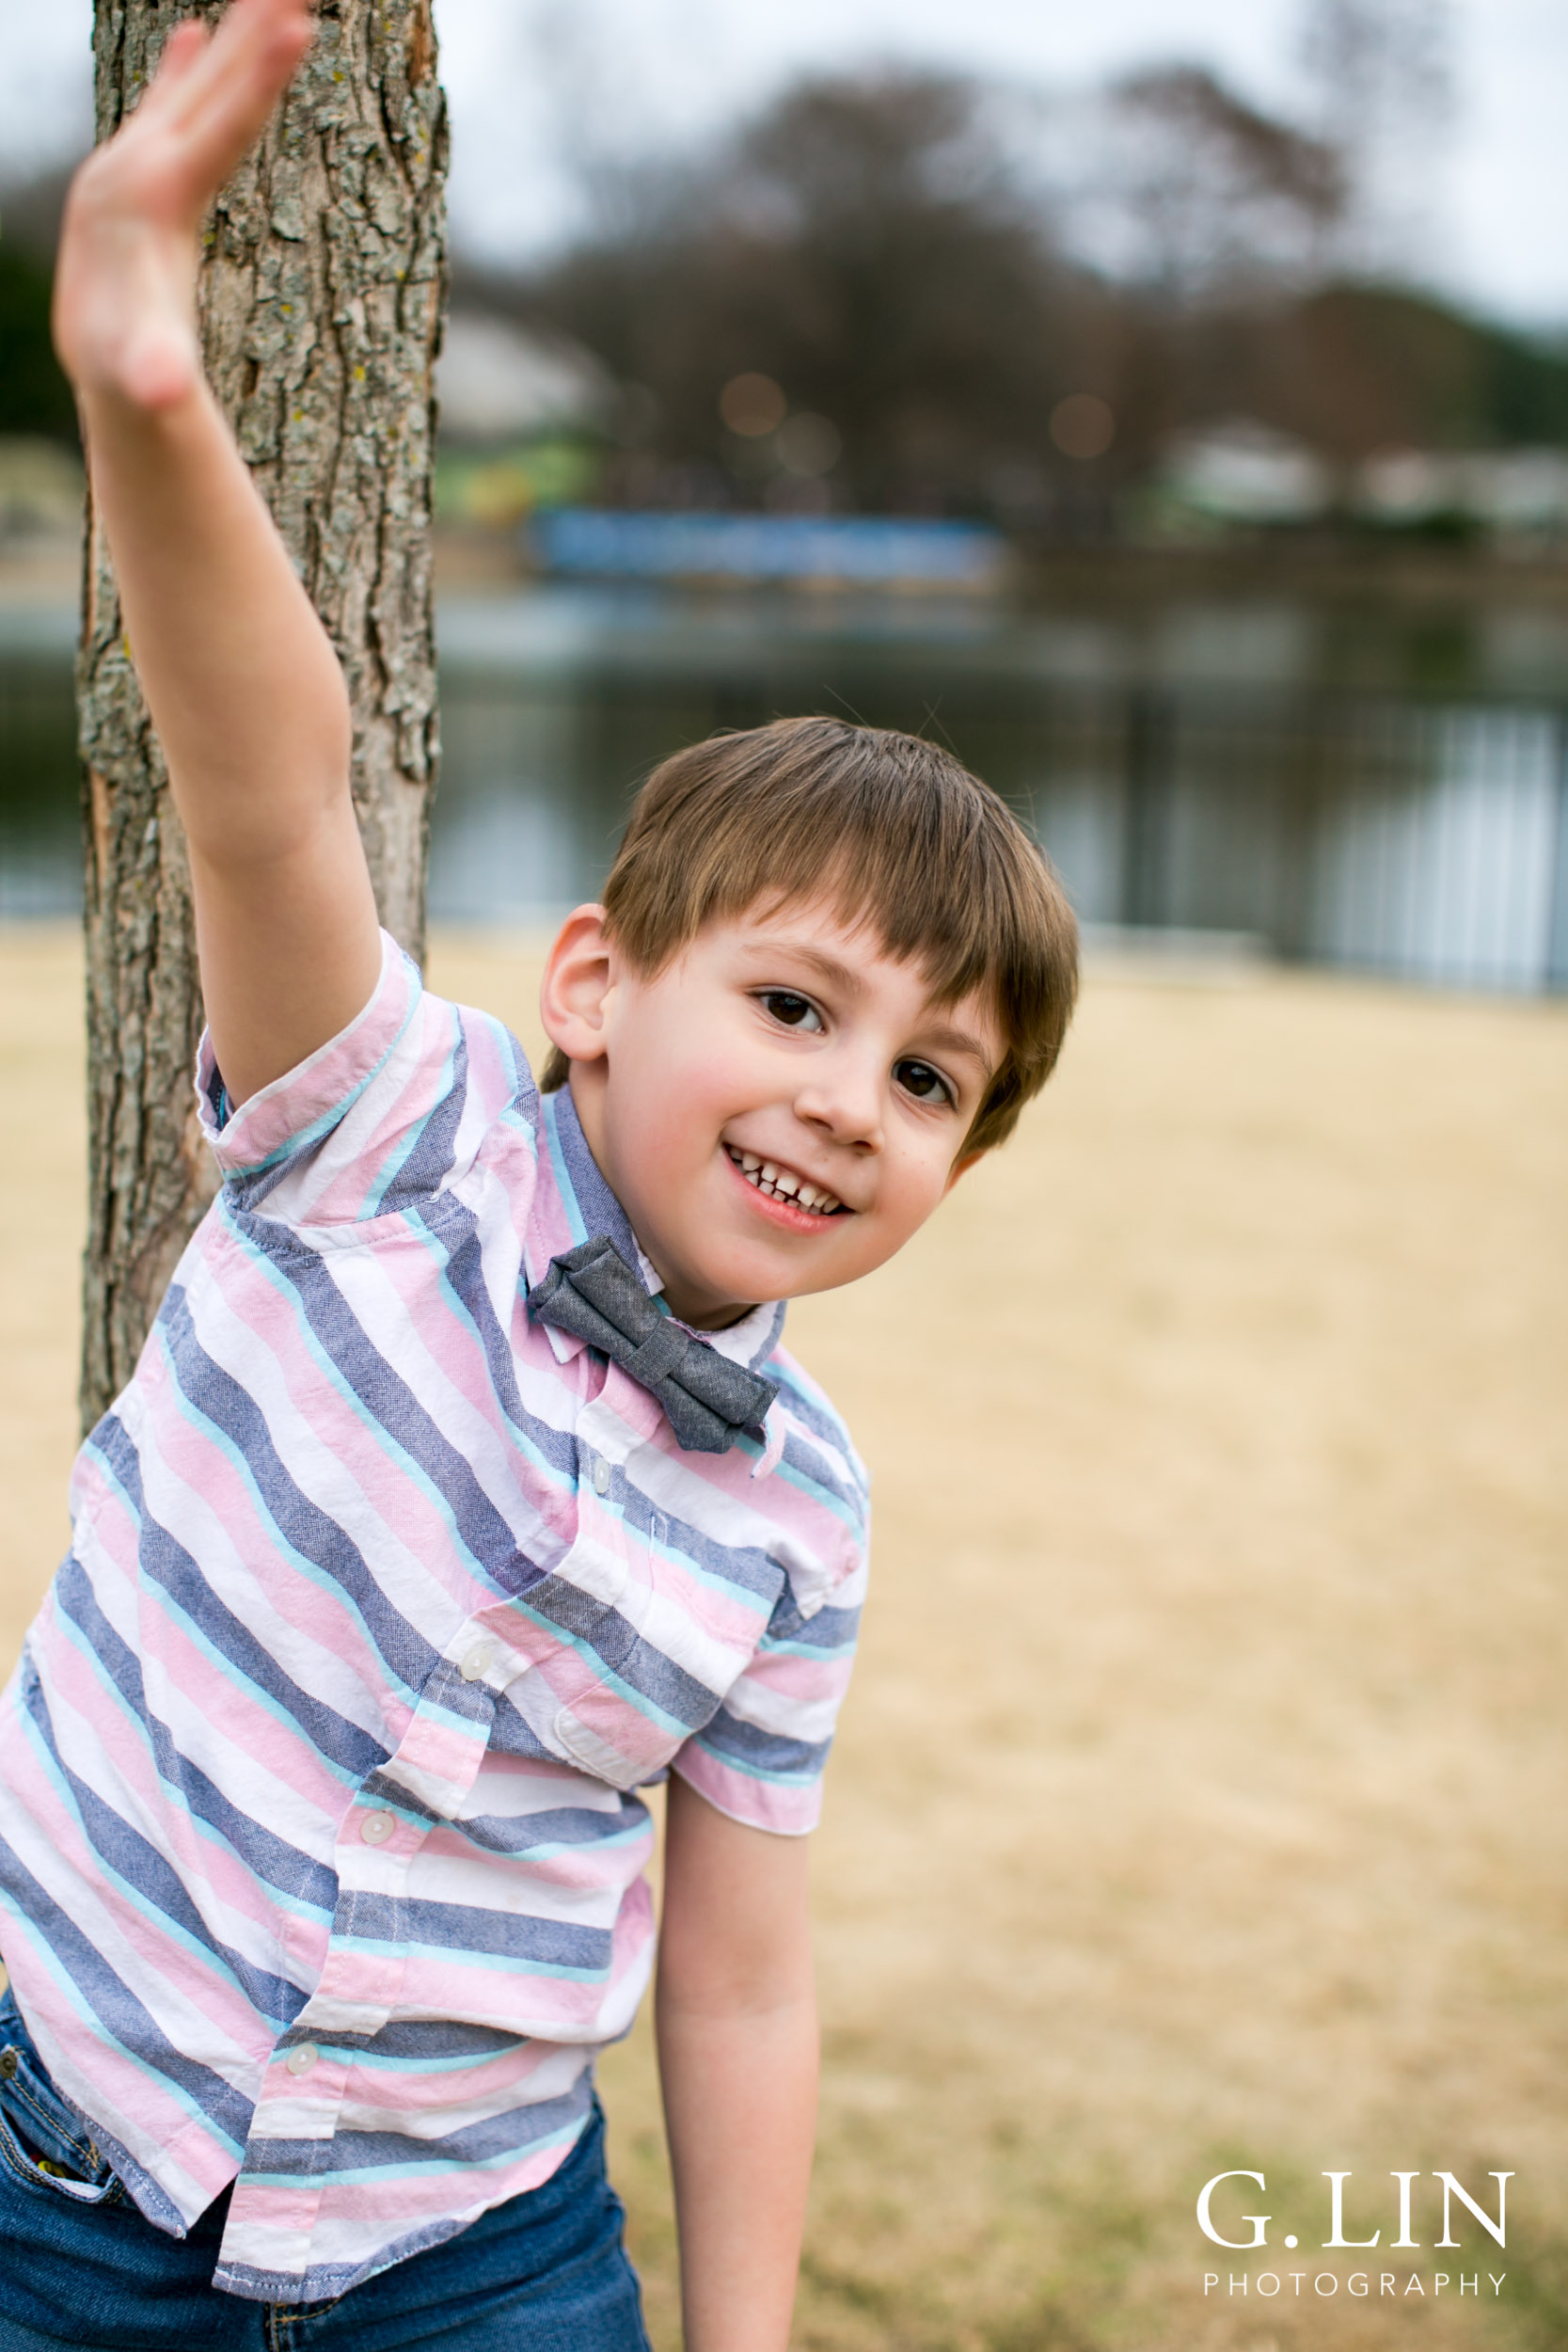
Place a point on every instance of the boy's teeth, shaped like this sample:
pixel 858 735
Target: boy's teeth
pixel 782 1183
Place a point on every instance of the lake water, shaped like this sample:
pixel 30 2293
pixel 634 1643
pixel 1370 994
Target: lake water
pixel 1363 797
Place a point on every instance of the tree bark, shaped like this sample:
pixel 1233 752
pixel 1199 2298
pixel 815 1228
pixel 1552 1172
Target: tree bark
pixel 321 304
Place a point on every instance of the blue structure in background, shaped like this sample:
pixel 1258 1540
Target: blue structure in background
pixel 861 550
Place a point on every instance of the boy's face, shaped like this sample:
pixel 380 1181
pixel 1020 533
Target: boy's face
pixel 782 1055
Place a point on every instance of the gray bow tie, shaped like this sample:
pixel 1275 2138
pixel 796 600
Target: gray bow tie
pixel 592 1291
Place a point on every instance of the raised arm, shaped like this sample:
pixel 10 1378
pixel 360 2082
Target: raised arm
pixel 244 687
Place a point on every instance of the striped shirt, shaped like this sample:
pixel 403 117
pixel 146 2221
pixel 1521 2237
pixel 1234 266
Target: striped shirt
pixel 322 1864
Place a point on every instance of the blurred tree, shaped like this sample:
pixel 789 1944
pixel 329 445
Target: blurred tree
pixel 1527 388
pixel 864 245
pixel 1196 196
pixel 1382 81
pixel 944 298
pixel 321 304
pixel 1355 369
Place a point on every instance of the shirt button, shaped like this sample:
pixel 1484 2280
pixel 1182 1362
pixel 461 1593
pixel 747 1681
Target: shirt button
pixel 600 1472
pixel 477 1663
pixel 377 1828
pixel 302 2057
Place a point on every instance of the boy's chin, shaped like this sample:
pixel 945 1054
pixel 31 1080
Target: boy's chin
pixel 729 1283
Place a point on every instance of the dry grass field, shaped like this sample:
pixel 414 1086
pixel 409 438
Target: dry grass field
pixel 1200 1800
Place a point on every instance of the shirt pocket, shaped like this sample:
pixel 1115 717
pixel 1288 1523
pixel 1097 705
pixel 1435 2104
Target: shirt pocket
pixel 637 1683
pixel 692 1618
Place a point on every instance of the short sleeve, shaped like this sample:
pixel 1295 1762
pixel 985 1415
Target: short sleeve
pixel 760 1759
pixel 377 1116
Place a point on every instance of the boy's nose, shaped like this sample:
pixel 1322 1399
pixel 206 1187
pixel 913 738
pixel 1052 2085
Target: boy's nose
pixel 844 1101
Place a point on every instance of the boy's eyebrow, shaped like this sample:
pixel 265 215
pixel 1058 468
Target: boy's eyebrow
pixel 830 968
pixel 946 1041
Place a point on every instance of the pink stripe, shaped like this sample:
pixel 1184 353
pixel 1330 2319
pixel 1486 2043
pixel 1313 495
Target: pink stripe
pixel 400 2198
pixel 448 1750
pixel 142 1798
pixel 320 1615
pixel 403 2087
pixel 730 1617
pixel 807 1680
pixel 215 1995
pixel 269 1120
pixel 359 1458
pixel 234 2024
pixel 585 1869
pixel 762 1803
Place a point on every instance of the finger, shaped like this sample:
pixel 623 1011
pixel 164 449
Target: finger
pixel 184 45
pixel 181 51
pixel 221 107
pixel 255 43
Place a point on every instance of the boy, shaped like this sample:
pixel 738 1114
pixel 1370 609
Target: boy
pixel 462 1488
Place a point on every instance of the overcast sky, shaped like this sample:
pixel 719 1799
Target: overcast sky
pixel 1497 212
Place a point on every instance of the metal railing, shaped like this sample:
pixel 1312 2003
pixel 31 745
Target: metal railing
pixel 1423 840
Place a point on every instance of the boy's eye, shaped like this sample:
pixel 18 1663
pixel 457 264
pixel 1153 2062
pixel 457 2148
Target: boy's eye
pixel 795 1012
pixel 926 1084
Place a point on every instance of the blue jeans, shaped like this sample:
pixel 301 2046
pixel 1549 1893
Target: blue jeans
pixel 546 2272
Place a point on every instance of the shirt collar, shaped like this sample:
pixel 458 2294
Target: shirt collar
pixel 592 1208
pixel 590 1205
pixel 753 1340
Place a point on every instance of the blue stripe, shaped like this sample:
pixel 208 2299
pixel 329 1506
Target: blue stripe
pixel 297 1147
pixel 420 1164
pixel 514 1738
pixel 304 1883
pixel 543 1836
pixel 389 1405
pixel 564 1187
pixel 361 2156
pixel 547 1448
pixel 146 1880
pixel 500 1963
pixel 630 1665
pixel 425 2048
pixel 229 1418
pixel 591 1207
pixel 109 2009
pixel 233 1646
pixel 461 1931
pixel 829 1632
pixel 762 1755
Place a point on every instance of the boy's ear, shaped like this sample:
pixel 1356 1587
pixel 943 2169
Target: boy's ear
pixel 961 1167
pixel 579 975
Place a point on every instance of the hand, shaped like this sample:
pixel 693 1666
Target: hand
pixel 125 284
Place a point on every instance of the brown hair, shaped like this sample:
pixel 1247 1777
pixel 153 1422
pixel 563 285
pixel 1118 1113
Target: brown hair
pixel 887 827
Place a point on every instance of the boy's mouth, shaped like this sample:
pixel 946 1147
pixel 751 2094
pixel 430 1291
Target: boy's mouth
pixel 777 1183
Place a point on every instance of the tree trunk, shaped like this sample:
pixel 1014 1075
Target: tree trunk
pixel 321 303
